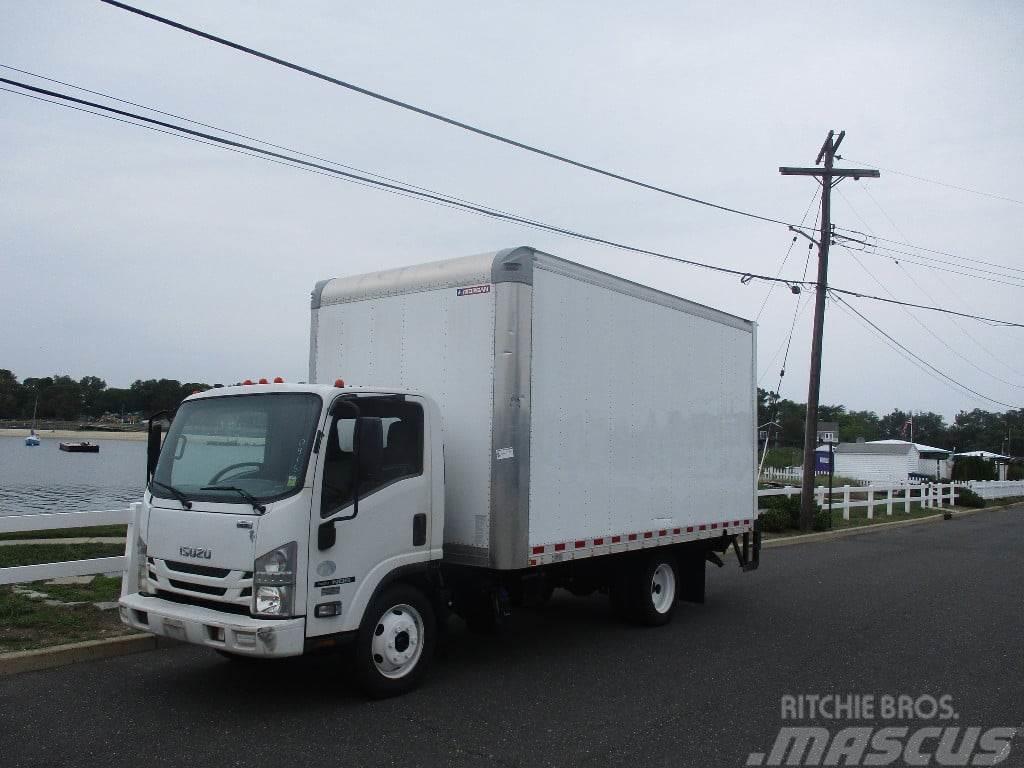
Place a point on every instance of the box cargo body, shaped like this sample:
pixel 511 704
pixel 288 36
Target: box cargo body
pixel 583 414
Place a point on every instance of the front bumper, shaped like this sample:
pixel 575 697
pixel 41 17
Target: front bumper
pixel 204 626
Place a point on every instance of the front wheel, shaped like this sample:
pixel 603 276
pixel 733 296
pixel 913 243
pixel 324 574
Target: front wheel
pixel 395 642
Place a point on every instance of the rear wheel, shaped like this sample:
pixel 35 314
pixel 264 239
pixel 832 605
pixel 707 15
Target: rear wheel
pixel 396 642
pixel 647 594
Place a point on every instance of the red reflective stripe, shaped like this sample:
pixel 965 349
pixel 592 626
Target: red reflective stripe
pixel 559 547
pixel 632 537
pixel 532 561
pixel 647 534
pixel 538 550
pixel 580 544
pixel 598 542
pixel 662 533
pixel 702 527
pixel 714 525
pixel 675 530
pixel 616 539
pixel 689 529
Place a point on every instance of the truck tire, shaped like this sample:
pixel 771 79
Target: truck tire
pixel 395 642
pixel 652 589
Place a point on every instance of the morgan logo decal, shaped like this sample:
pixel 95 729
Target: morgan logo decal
pixel 197 553
pixel 473 290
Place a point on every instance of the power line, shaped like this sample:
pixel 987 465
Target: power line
pixel 931 332
pixel 789 250
pixel 926 250
pixel 992 195
pixel 921 359
pixel 938 278
pixel 437 197
pixel 437 116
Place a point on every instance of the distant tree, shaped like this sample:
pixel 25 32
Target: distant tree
pixel 90 388
pixel 9 394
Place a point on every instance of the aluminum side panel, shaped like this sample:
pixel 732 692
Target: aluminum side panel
pixel 438 343
pixel 641 414
pixel 510 469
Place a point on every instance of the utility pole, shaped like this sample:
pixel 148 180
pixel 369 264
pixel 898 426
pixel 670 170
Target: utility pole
pixel 828 177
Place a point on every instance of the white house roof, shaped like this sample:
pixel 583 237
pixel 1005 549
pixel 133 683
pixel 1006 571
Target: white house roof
pixel 921 448
pixel 897 448
pixel 983 455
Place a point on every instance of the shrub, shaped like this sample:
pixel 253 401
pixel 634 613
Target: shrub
pixel 782 512
pixel 965 497
pixel 774 520
pixel 822 521
pixel 973 468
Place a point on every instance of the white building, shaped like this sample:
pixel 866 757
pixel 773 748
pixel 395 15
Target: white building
pixel 890 461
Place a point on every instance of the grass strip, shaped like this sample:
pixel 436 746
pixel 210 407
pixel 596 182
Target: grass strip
pixel 92 532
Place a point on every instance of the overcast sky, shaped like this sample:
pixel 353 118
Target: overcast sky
pixel 130 254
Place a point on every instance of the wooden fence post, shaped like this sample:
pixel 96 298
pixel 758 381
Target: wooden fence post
pixel 846 502
pixel 888 502
pixel 871 503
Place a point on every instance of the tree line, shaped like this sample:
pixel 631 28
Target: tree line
pixel 975 430
pixel 65 399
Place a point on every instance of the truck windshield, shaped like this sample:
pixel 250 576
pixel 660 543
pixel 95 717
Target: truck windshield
pixel 258 444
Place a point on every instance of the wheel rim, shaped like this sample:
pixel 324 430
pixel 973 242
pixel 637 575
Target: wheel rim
pixel 663 588
pixel 397 641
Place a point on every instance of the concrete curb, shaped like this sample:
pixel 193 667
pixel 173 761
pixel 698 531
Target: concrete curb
pixel 73 653
pixel 810 538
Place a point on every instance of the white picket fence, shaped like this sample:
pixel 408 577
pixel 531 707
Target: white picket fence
pixel 891 496
pixel 996 489
pixel 62 521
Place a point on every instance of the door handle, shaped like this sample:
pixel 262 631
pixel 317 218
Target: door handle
pixel 419 529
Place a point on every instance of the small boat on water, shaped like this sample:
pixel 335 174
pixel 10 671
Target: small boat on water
pixel 33 438
pixel 83 447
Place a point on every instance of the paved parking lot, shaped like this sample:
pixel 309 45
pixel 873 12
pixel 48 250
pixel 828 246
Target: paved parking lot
pixel 935 609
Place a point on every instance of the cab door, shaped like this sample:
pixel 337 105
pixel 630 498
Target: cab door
pixel 373 487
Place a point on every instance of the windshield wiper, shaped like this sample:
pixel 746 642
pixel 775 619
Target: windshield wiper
pixel 241 492
pixel 185 502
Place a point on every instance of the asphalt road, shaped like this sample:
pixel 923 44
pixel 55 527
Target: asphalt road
pixel 928 609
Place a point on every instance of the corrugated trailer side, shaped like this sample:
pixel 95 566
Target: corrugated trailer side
pixel 642 417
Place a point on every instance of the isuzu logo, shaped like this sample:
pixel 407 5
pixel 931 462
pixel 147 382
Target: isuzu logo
pixel 195 552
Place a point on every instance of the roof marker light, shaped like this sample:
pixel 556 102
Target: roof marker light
pixel 264 381
pixel 339 383
pixel 247 381
pixel 278 380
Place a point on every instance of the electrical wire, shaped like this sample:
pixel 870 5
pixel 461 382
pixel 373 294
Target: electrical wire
pixel 939 279
pixel 930 331
pixel 992 195
pixel 789 250
pixel 920 359
pixel 926 250
pixel 437 116
pixel 408 191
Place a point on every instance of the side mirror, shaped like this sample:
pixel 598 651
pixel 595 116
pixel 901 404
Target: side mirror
pixel 154 442
pixel 369 446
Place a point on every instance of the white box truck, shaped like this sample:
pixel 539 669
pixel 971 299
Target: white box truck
pixel 476 433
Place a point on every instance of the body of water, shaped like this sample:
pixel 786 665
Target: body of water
pixel 47 479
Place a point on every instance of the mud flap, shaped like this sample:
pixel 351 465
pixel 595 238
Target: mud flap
pixel 749 555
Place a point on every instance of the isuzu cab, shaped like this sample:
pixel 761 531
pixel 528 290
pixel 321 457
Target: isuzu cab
pixel 476 433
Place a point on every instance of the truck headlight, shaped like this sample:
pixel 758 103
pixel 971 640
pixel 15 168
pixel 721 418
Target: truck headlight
pixel 273 580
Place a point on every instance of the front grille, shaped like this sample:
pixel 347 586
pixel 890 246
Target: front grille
pixel 175 597
pixel 201 588
pixel 220 587
pixel 197 570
